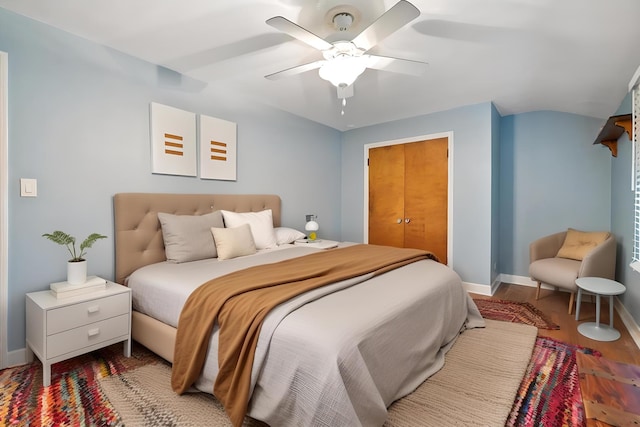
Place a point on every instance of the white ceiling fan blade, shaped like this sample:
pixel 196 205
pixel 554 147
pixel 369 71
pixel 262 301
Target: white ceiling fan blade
pixel 222 53
pixel 397 65
pixel 392 20
pixel 295 70
pixel 294 30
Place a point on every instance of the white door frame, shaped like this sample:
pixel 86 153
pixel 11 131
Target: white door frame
pixel 4 204
pixel 449 136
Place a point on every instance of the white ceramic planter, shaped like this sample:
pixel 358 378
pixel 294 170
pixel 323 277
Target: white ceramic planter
pixel 77 272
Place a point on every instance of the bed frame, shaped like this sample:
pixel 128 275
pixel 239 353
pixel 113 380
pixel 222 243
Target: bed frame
pixel 138 242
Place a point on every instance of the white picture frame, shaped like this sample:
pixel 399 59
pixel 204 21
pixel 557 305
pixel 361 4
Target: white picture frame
pixel 173 141
pixel 218 149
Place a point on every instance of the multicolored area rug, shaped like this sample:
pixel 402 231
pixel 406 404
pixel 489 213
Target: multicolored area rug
pixel 511 311
pixel 549 394
pixel 74 397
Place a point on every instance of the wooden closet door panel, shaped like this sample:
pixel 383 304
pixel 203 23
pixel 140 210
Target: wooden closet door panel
pixel 426 196
pixel 386 201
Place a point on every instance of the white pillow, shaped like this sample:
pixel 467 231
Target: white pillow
pixel 261 224
pixel 187 237
pixel 233 242
pixel 286 235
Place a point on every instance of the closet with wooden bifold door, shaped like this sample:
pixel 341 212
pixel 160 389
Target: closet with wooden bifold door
pixel 408 195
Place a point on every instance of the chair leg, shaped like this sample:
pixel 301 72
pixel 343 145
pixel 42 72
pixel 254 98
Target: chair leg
pixel 571 299
pixel 538 291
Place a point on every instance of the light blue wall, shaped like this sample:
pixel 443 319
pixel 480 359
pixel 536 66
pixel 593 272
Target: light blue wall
pixel 472 157
pixel 625 106
pixel 551 178
pixel 79 124
pixel 495 191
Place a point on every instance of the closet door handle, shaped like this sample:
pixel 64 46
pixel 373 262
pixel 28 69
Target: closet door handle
pixel 407 220
pixel 399 221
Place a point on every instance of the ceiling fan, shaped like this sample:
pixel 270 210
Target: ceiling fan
pixel 345 60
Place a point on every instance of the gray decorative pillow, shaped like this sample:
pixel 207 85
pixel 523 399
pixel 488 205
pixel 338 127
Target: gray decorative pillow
pixel 188 237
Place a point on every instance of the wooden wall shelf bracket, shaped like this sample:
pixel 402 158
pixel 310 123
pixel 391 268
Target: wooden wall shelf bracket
pixel 612 130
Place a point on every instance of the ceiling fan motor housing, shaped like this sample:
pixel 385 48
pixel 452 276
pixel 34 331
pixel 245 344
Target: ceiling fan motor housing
pixel 342 48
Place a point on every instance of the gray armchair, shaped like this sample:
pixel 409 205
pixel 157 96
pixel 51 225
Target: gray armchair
pixel 546 268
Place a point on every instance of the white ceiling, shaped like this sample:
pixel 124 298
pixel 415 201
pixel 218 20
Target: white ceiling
pixel 574 56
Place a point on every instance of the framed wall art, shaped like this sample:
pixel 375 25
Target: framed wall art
pixel 218 149
pixel 173 141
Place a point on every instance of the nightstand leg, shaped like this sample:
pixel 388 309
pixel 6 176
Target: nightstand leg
pixel 127 348
pixel 46 374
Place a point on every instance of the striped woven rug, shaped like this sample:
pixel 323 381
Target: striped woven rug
pixel 487 363
pixel 549 394
pixel 512 311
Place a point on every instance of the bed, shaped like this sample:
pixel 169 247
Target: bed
pixel 336 355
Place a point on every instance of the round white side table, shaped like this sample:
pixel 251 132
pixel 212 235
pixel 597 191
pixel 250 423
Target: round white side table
pixel 600 287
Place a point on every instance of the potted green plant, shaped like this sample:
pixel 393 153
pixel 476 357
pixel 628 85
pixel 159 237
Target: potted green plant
pixel 77 265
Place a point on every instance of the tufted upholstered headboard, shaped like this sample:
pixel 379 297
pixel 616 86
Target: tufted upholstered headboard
pixel 138 235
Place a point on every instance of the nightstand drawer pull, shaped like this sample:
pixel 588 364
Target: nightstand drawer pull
pixel 93 309
pixel 93 332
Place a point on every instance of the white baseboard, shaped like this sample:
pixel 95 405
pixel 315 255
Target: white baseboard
pixel 476 288
pixel 500 279
pixel 16 357
pixel 520 280
pixel 628 321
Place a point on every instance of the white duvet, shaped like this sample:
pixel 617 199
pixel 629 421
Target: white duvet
pixel 336 356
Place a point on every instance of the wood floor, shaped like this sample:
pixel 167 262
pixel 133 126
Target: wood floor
pixel 555 305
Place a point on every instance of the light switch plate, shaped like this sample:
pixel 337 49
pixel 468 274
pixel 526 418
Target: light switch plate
pixel 28 187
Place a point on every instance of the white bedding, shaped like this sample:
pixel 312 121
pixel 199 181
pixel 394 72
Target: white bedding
pixel 160 290
pixel 345 357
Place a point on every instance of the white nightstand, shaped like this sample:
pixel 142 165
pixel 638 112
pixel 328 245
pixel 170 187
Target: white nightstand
pixel 59 329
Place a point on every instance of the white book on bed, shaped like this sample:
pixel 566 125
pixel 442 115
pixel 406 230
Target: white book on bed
pixel 318 244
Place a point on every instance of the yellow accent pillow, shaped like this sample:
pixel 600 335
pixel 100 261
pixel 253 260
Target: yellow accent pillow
pixel 578 244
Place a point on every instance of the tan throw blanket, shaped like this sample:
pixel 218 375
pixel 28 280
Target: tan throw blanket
pixel 241 300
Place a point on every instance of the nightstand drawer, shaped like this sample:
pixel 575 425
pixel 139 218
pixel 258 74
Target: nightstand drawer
pixel 72 316
pixel 87 335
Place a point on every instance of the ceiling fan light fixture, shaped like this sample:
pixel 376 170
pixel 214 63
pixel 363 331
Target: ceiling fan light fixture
pixel 343 70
